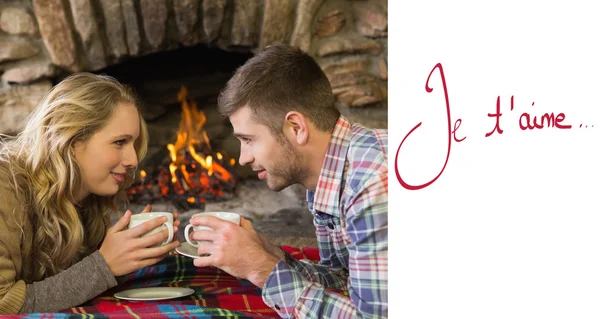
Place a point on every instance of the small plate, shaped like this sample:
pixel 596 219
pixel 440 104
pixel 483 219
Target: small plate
pixel 187 250
pixel 154 293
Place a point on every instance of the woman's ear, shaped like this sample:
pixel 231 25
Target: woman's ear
pixel 76 146
pixel 296 125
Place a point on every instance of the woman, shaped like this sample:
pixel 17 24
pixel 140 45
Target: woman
pixel 59 178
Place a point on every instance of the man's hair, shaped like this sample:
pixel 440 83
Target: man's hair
pixel 46 176
pixel 280 79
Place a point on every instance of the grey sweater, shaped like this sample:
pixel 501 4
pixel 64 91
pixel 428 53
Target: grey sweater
pixel 77 284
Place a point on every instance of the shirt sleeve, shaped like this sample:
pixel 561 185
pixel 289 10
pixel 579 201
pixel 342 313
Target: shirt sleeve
pixel 329 277
pixel 301 289
pixel 73 286
pixel 77 284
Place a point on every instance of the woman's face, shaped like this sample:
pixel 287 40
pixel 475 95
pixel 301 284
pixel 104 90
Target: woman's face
pixel 109 154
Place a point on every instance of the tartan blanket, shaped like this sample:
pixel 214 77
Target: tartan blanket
pixel 217 294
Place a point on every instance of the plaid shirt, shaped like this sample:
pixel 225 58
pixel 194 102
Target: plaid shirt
pixel 350 208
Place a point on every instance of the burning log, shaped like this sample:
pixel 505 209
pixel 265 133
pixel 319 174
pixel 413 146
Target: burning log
pixel 189 190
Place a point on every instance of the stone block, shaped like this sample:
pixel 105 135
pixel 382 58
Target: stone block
pixel 56 33
pixel 16 49
pixel 277 22
pixel 349 45
pixel 330 24
pixel 17 21
pixel 154 15
pixel 213 13
pixel 306 11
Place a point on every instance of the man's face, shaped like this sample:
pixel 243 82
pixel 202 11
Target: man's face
pixel 277 162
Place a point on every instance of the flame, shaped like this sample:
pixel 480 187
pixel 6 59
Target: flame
pixel 209 165
pixel 173 168
pixel 186 175
pixel 189 136
pixel 197 157
pixel 171 149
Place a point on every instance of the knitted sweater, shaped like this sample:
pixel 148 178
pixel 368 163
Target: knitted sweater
pixel 79 283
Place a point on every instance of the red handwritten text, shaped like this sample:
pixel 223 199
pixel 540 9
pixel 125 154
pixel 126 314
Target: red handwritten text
pixel 550 120
pixel 451 133
pixel 497 115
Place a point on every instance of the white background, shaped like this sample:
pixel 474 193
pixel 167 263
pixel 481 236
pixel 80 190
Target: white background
pixel 511 229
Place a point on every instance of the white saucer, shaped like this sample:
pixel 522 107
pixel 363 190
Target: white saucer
pixel 154 293
pixel 187 250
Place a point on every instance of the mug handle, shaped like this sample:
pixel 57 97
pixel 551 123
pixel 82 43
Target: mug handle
pixel 187 236
pixel 170 229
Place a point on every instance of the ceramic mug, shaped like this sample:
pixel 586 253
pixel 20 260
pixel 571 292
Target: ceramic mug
pixel 140 218
pixel 230 217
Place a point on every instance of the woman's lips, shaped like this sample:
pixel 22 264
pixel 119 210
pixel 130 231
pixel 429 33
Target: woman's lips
pixel 118 177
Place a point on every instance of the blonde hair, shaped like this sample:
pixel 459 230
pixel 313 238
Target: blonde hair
pixel 46 176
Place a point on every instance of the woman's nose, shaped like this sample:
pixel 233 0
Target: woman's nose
pixel 130 159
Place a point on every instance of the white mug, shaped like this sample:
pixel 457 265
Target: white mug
pixel 140 218
pixel 230 217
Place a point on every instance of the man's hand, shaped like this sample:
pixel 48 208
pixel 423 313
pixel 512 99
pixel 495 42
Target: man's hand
pixel 235 249
pixel 272 249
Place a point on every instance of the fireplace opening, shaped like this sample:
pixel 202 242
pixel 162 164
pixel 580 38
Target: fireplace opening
pixel 192 158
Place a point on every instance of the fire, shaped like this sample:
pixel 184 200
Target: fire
pixel 190 133
pixel 192 174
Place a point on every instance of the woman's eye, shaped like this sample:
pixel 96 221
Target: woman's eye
pixel 120 142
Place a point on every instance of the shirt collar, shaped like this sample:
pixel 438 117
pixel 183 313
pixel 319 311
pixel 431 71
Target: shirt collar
pixel 326 196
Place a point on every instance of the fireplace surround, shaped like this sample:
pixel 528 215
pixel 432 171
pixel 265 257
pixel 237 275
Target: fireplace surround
pixel 41 41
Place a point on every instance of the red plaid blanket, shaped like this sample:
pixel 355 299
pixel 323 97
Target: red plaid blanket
pixel 217 294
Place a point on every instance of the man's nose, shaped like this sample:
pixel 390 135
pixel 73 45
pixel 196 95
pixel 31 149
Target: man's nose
pixel 245 157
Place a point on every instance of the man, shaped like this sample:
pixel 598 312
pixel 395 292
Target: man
pixel 281 106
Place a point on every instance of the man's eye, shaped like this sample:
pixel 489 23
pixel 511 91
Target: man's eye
pixel 246 140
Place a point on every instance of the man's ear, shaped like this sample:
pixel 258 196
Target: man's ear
pixel 296 126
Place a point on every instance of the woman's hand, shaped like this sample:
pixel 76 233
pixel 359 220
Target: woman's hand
pixel 148 209
pixel 125 250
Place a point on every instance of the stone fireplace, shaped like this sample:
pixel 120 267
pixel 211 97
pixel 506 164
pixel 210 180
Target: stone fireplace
pixel 159 46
